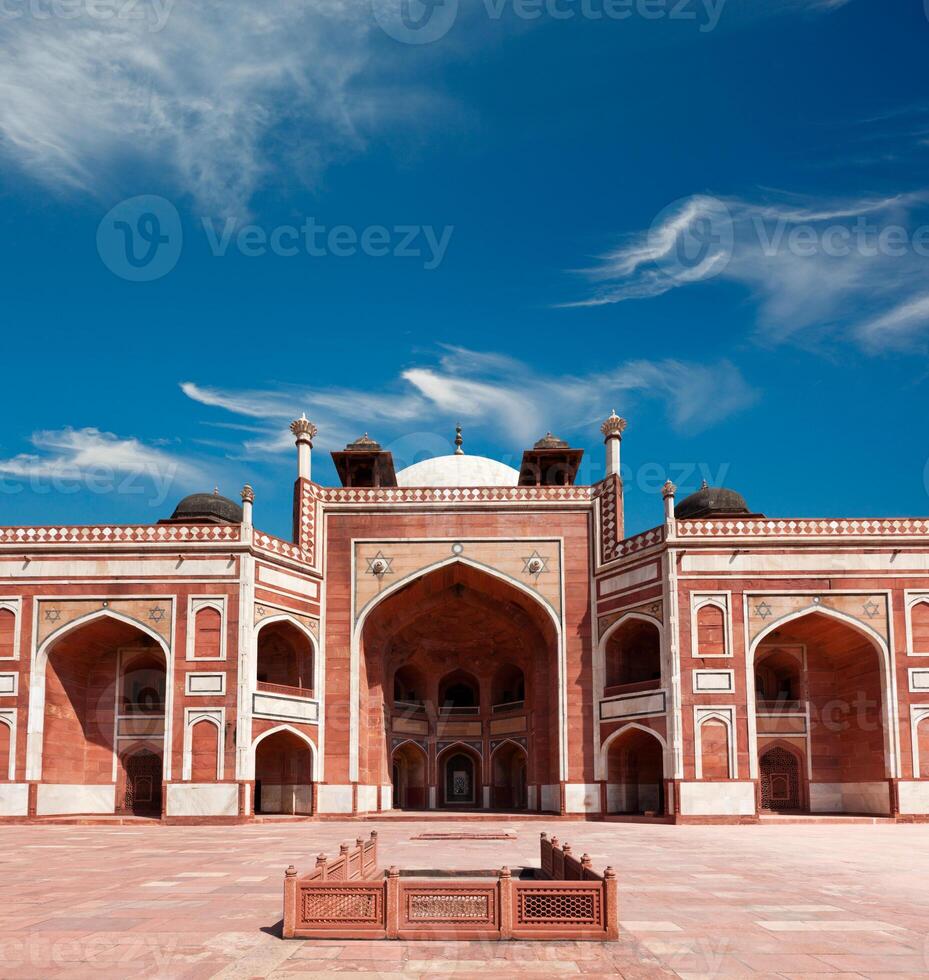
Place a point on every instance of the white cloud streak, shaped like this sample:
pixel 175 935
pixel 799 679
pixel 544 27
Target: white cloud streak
pixel 853 269
pixel 498 394
pixel 223 93
pixel 96 458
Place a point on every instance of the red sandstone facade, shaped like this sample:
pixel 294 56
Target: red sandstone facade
pixel 469 645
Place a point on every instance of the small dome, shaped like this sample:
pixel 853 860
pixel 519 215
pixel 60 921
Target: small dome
pixel 364 444
pixel 208 507
pixel 458 471
pixel 548 441
pixel 710 501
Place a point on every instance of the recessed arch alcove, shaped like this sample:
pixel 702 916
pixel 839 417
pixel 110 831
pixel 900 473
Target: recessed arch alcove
pixel 435 655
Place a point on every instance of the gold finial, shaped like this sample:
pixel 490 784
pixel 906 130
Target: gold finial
pixel 704 485
pixel 458 441
pixel 215 491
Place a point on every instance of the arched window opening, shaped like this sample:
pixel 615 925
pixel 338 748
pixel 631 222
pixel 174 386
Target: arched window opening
pixel 409 687
pixel 6 748
pixel 459 693
pixel 143 685
pixel 285 659
pixel 509 688
pixel 711 631
pixel 208 626
pixel 204 752
pixel 714 750
pixel 7 634
pixel 778 681
pixel 922 745
pixel 633 656
pixel 919 627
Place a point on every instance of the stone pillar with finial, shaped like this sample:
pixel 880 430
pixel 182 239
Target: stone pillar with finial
pixel 459 441
pixel 667 492
pixel 613 429
pixel 248 500
pixel 304 432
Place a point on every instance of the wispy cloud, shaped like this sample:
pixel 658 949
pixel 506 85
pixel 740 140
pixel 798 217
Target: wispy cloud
pixel 898 326
pixel 851 268
pixel 501 395
pixel 100 462
pixel 208 92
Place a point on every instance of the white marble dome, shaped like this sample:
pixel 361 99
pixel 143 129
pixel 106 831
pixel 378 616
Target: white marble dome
pixel 458 471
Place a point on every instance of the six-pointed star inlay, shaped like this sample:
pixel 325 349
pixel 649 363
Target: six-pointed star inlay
pixel 535 564
pixel 871 608
pixel 763 610
pixel 379 565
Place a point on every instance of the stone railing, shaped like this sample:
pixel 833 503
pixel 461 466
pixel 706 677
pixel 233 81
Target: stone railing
pixel 453 495
pixel 122 534
pixel 278 546
pixel 564 899
pixel 639 542
pixel 287 689
pixel 804 528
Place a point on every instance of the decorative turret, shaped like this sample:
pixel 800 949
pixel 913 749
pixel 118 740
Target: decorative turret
pixel 248 500
pixel 305 432
pixel 550 463
pixel 667 492
pixel 363 463
pixel 613 429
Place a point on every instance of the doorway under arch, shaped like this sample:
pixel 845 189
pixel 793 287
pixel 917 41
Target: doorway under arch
pixel 782 778
pixel 283 774
pixel 510 765
pixel 635 773
pixel 460 771
pixel 408 771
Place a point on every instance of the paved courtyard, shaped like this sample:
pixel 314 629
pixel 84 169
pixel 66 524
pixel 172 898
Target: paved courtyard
pixel 150 901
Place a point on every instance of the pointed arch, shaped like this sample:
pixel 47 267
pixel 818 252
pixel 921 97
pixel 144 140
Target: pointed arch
pixel 536 597
pixel 629 726
pixel 888 679
pixel 509 741
pixel 642 617
pixel 291 621
pixel 634 762
pixel 8 743
pixel 460 745
pixel 274 731
pixel 35 731
pixel 534 601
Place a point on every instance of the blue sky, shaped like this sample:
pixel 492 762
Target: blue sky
pixel 715 224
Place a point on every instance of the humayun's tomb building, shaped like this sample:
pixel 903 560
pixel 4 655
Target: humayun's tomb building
pixel 463 636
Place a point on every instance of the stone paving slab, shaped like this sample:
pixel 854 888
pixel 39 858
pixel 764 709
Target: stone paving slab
pixel 695 902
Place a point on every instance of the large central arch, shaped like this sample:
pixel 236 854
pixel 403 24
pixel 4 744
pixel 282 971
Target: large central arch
pixel 459 654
